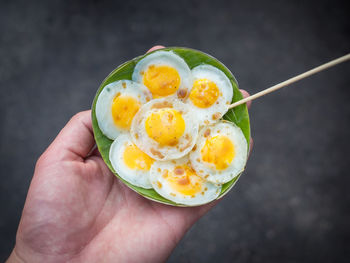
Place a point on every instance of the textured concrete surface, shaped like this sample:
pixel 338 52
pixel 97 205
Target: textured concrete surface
pixel 291 205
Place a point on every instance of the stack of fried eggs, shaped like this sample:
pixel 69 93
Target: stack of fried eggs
pixel 167 130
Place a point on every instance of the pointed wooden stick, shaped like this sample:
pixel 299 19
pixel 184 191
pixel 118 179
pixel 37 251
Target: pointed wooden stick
pixel 292 80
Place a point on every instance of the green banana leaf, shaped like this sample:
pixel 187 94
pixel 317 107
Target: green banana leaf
pixel 238 115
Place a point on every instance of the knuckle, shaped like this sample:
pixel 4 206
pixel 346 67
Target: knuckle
pixel 41 160
pixel 78 116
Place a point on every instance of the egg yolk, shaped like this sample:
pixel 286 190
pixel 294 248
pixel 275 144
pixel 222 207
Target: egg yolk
pixel 183 179
pixel 134 158
pixel 161 80
pixel 218 150
pixel 124 109
pixel 204 93
pixel 165 126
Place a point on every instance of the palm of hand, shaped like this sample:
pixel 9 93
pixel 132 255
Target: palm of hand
pixel 78 210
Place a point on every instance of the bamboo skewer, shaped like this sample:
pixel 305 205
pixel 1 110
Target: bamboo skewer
pixel 292 80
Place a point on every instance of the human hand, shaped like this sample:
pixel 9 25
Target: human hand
pixel 76 210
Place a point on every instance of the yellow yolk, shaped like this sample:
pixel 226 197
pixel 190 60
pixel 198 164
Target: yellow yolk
pixel 204 93
pixel 165 126
pixel 124 109
pixel 184 180
pixel 218 150
pixel 161 80
pixel 134 158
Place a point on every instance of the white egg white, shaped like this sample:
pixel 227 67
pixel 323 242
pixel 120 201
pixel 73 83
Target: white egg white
pixel 105 101
pixel 135 177
pixel 150 146
pixel 166 58
pixel 208 170
pixel 208 193
pixel 220 107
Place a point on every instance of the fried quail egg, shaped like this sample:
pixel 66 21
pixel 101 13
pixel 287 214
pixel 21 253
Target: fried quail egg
pixel 117 104
pixel 211 93
pixel 165 129
pixel 220 153
pixel 164 73
pixel 178 182
pixel 130 162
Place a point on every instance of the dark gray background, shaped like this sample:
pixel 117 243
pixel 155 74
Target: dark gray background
pixel 291 204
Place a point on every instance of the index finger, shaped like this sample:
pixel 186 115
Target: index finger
pixel 155 48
